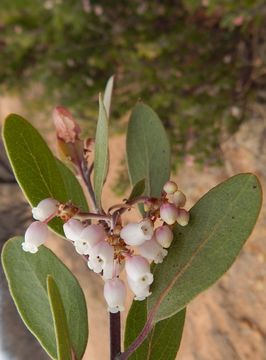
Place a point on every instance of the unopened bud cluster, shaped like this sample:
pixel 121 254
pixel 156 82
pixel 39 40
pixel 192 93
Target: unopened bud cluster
pixel 110 248
pixel 172 210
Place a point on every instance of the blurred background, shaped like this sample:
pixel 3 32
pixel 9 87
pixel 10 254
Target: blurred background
pixel 201 65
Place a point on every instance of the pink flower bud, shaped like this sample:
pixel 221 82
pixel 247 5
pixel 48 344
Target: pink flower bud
pixel 137 233
pixel 164 236
pixel 170 187
pixel 72 229
pixel 179 198
pixel 45 209
pixel 138 270
pixel 66 127
pixel 115 295
pixel 102 259
pixel 35 235
pixel 141 291
pixel 168 213
pixel 153 251
pixel 183 217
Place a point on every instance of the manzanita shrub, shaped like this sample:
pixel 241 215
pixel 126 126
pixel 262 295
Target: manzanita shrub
pixel 168 256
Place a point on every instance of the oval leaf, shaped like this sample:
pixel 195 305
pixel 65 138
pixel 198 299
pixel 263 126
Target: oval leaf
pixel 26 274
pixel 32 161
pixel 60 321
pixel 148 151
pixel 163 341
pixel 36 169
pixel 204 250
pixel 166 337
pixel 101 152
pixel 135 322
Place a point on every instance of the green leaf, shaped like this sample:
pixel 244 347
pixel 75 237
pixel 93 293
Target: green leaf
pixel 166 337
pixel 135 322
pixel 204 250
pixel 137 190
pixel 64 351
pixel 148 157
pixel 26 274
pixel 36 168
pixel 163 341
pixel 73 187
pixel 101 152
pixel 107 97
pixel 148 151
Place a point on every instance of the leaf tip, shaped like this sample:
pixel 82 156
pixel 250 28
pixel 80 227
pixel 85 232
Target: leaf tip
pixel 5 249
pixel 49 280
pixel 12 117
pixel 255 181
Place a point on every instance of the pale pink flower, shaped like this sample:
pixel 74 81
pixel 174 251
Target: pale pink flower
pixel 45 209
pixel 115 295
pixel 152 251
pixel 35 235
pixel 72 229
pixel 135 234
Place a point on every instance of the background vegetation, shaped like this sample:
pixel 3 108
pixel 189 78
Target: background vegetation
pixel 197 63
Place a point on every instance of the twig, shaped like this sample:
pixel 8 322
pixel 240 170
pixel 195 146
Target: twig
pixel 88 215
pixel 86 180
pixel 115 335
pixel 139 340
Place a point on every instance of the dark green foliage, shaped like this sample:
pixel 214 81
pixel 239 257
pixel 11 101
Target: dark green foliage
pixel 190 63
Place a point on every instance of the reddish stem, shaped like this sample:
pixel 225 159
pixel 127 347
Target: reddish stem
pixel 86 180
pixel 89 215
pixel 115 335
pixel 139 340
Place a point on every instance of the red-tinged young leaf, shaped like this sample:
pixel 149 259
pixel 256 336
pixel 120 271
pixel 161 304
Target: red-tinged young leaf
pixel 67 129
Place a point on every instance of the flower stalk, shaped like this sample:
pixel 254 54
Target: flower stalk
pixel 115 335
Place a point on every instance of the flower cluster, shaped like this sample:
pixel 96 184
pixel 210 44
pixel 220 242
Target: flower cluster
pixel 109 247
